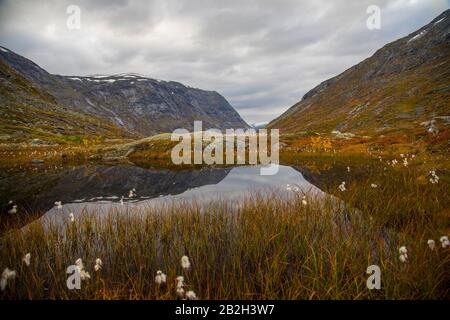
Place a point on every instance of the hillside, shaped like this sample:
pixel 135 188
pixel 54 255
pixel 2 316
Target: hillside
pixel 404 88
pixel 129 102
pixel 28 112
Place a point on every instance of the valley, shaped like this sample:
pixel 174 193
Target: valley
pixel 88 181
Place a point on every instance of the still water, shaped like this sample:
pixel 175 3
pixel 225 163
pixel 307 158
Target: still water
pixel 102 188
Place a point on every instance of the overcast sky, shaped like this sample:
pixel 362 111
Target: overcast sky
pixel 261 55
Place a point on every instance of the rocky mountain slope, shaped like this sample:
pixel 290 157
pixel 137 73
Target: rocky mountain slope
pixel 27 112
pixel 404 88
pixel 130 102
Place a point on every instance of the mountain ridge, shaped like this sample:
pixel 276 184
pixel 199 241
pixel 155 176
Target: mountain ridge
pixel 397 89
pixel 27 112
pixel 134 103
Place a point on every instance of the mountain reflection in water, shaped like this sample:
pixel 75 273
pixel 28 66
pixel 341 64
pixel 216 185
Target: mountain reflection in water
pixel 100 188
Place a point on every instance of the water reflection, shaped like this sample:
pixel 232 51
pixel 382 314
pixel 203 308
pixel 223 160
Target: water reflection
pixel 39 190
pixel 238 184
pixel 101 189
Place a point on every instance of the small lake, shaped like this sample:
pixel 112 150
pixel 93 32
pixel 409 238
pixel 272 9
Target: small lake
pixel 101 188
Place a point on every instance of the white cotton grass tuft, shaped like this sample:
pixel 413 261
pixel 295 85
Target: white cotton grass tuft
pixel 71 217
pixel 304 202
pixel 292 188
pixel 132 193
pixel 13 210
pixel 373 185
pixel 84 275
pixel 431 244
pixel 434 179
pixel 185 263
pixel 348 169
pixel 190 295
pixel 180 286
pixel 180 292
pixel 405 162
pixel 27 259
pixel 160 278
pixel 58 205
pixel 98 264
pixel 403 250
pixel 342 186
pixel 444 241
pixel 403 254
pixel 6 276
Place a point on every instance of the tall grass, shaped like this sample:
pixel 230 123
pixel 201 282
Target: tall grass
pixel 263 248
pixel 266 248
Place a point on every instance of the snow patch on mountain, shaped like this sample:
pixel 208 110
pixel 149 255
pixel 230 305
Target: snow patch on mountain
pixel 418 36
pixel 440 20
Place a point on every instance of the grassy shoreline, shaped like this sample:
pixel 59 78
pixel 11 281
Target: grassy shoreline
pixel 269 249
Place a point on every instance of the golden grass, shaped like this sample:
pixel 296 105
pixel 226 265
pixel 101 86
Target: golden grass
pixel 268 249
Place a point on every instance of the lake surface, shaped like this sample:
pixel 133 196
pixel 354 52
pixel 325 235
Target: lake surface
pixel 102 188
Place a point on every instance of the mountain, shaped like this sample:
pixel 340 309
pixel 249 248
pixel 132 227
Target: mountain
pixel 27 112
pixel 130 102
pixel 404 88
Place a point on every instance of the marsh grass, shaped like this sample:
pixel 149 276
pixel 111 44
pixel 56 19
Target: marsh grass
pixel 266 248
pixel 263 248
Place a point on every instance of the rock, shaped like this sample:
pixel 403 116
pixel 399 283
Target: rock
pixel 342 135
pixel 37 142
pixel 19 134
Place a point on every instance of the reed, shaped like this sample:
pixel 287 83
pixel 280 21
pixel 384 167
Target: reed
pixel 266 248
